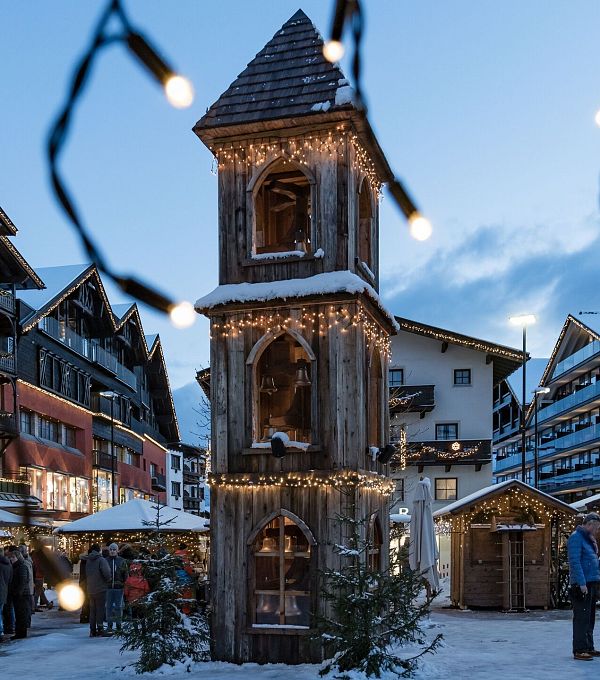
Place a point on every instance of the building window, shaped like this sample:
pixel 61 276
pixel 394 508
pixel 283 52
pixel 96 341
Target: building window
pixel 79 495
pixel 446 489
pixel 70 437
pixel 396 377
pixel 398 496
pixel 175 462
pixel 57 490
pixel 36 481
pixel 446 431
pixel 153 470
pixel 284 390
pixel 282 570
pixel 26 421
pixel 49 429
pixel 462 376
pixel 176 489
pixel 282 208
pixel 102 490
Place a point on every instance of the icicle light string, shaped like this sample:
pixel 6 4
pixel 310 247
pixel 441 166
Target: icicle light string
pixel 370 481
pixel 302 150
pixel 322 322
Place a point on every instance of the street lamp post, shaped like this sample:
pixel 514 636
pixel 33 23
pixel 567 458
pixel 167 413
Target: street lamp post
pixel 537 392
pixel 111 395
pixel 523 320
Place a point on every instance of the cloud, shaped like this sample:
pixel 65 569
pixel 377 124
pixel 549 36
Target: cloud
pixel 548 269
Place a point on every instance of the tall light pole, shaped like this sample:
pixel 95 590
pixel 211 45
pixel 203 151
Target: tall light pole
pixel 111 395
pixel 537 392
pixel 523 320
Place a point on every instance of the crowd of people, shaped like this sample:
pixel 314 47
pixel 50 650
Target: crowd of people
pixel 110 577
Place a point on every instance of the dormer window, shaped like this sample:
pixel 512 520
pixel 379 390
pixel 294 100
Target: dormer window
pixel 283 211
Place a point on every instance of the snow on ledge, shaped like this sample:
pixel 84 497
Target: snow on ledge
pixel 320 284
pixel 319 253
pixel 288 444
pixel 277 256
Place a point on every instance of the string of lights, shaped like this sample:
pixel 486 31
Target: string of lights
pixel 341 479
pixel 180 94
pixel 335 317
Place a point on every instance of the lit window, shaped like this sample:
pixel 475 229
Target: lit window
pixel 462 376
pixel 446 431
pixel 446 489
pixel 282 211
pixel 396 377
pixel 282 573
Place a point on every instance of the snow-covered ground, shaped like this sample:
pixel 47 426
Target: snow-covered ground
pixel 477 646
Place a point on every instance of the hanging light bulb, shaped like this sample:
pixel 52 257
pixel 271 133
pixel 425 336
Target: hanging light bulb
pixel 70 596
pixel 183 315
pixel 333 50
pixel 179 91
pixel 420 227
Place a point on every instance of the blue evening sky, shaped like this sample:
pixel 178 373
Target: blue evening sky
pixel 485 108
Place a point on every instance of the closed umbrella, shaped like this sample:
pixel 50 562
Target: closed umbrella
pixel 423 553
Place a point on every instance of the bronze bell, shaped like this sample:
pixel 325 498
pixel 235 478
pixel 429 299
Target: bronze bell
pixel 267 384
pixel 302 379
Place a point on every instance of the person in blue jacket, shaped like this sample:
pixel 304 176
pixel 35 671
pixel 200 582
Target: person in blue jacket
pixel 584 576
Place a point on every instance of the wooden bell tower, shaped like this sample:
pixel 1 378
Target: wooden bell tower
pixel 299 348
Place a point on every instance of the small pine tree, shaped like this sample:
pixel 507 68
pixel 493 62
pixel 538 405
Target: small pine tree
pixel 371 612
pixel 167 627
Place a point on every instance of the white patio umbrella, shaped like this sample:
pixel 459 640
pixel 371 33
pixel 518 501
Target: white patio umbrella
pixel 423 552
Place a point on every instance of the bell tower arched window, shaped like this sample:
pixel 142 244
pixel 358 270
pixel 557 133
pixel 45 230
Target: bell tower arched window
pixel 374 392
pixel 284 387
pixel 374 540
pixel 365 224
pixel 282 211
pixel 281 574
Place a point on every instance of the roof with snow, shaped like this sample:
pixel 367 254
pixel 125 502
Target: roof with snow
pixel 136 515
pixel 122 309
pixel 320 284
pixel 505 359
pixel 588 503
pixel 288 77
pixel 533 374
pixel 498 490
pixel 57 279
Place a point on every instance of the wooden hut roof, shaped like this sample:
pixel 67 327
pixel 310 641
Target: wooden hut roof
pixel 289 77
pixel 487 492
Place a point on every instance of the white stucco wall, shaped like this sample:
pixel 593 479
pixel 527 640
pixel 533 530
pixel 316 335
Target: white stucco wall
pixel 470 406
pixel 174 476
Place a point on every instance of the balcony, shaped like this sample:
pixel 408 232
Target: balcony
pixel 18 486
pixel 159 483
pixel 579 357
pixel 192 504
pixel 577 439
pixel 7 301
pixel 90 349
pixel 104 460
pixel 583 395
pixel 565 478
pixel 7 363
pixel 459 452
pixel 8 424
pixel 412 399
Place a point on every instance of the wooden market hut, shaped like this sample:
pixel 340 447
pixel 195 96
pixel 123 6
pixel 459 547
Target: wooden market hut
pixel 504 546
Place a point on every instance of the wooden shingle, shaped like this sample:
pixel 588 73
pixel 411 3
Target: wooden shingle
pixel 289 77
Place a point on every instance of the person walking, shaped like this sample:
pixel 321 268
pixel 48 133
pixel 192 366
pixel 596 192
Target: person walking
pixel 97 576
pixel 5 579
pixel 19 593
pixel 24 550
pixel 114 594
pixel 584 577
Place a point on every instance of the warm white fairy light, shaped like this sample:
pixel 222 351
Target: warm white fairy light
pixel 70 596
pixel 179 92
pixel 420 227
pixel 333 51
pixel 183 315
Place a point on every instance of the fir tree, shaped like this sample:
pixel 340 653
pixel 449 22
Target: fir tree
pixel 167 627
pixel 371 612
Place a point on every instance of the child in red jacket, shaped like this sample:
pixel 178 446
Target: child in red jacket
pixel 136 586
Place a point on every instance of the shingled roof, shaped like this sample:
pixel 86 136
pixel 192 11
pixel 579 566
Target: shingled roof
pixel 289 77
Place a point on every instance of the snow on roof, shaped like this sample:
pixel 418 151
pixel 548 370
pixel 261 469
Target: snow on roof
pixel 132 516
pixel 399 518
pixel 320 284
pixel 582 503
pixel 492 489
pixel 533 374
pixel 121 309
pixel 56 280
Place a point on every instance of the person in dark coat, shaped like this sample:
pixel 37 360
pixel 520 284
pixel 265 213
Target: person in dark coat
pixel 84 617
pixel 584 577
pixel 19 593
pixel 6 572
pixel 97 577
